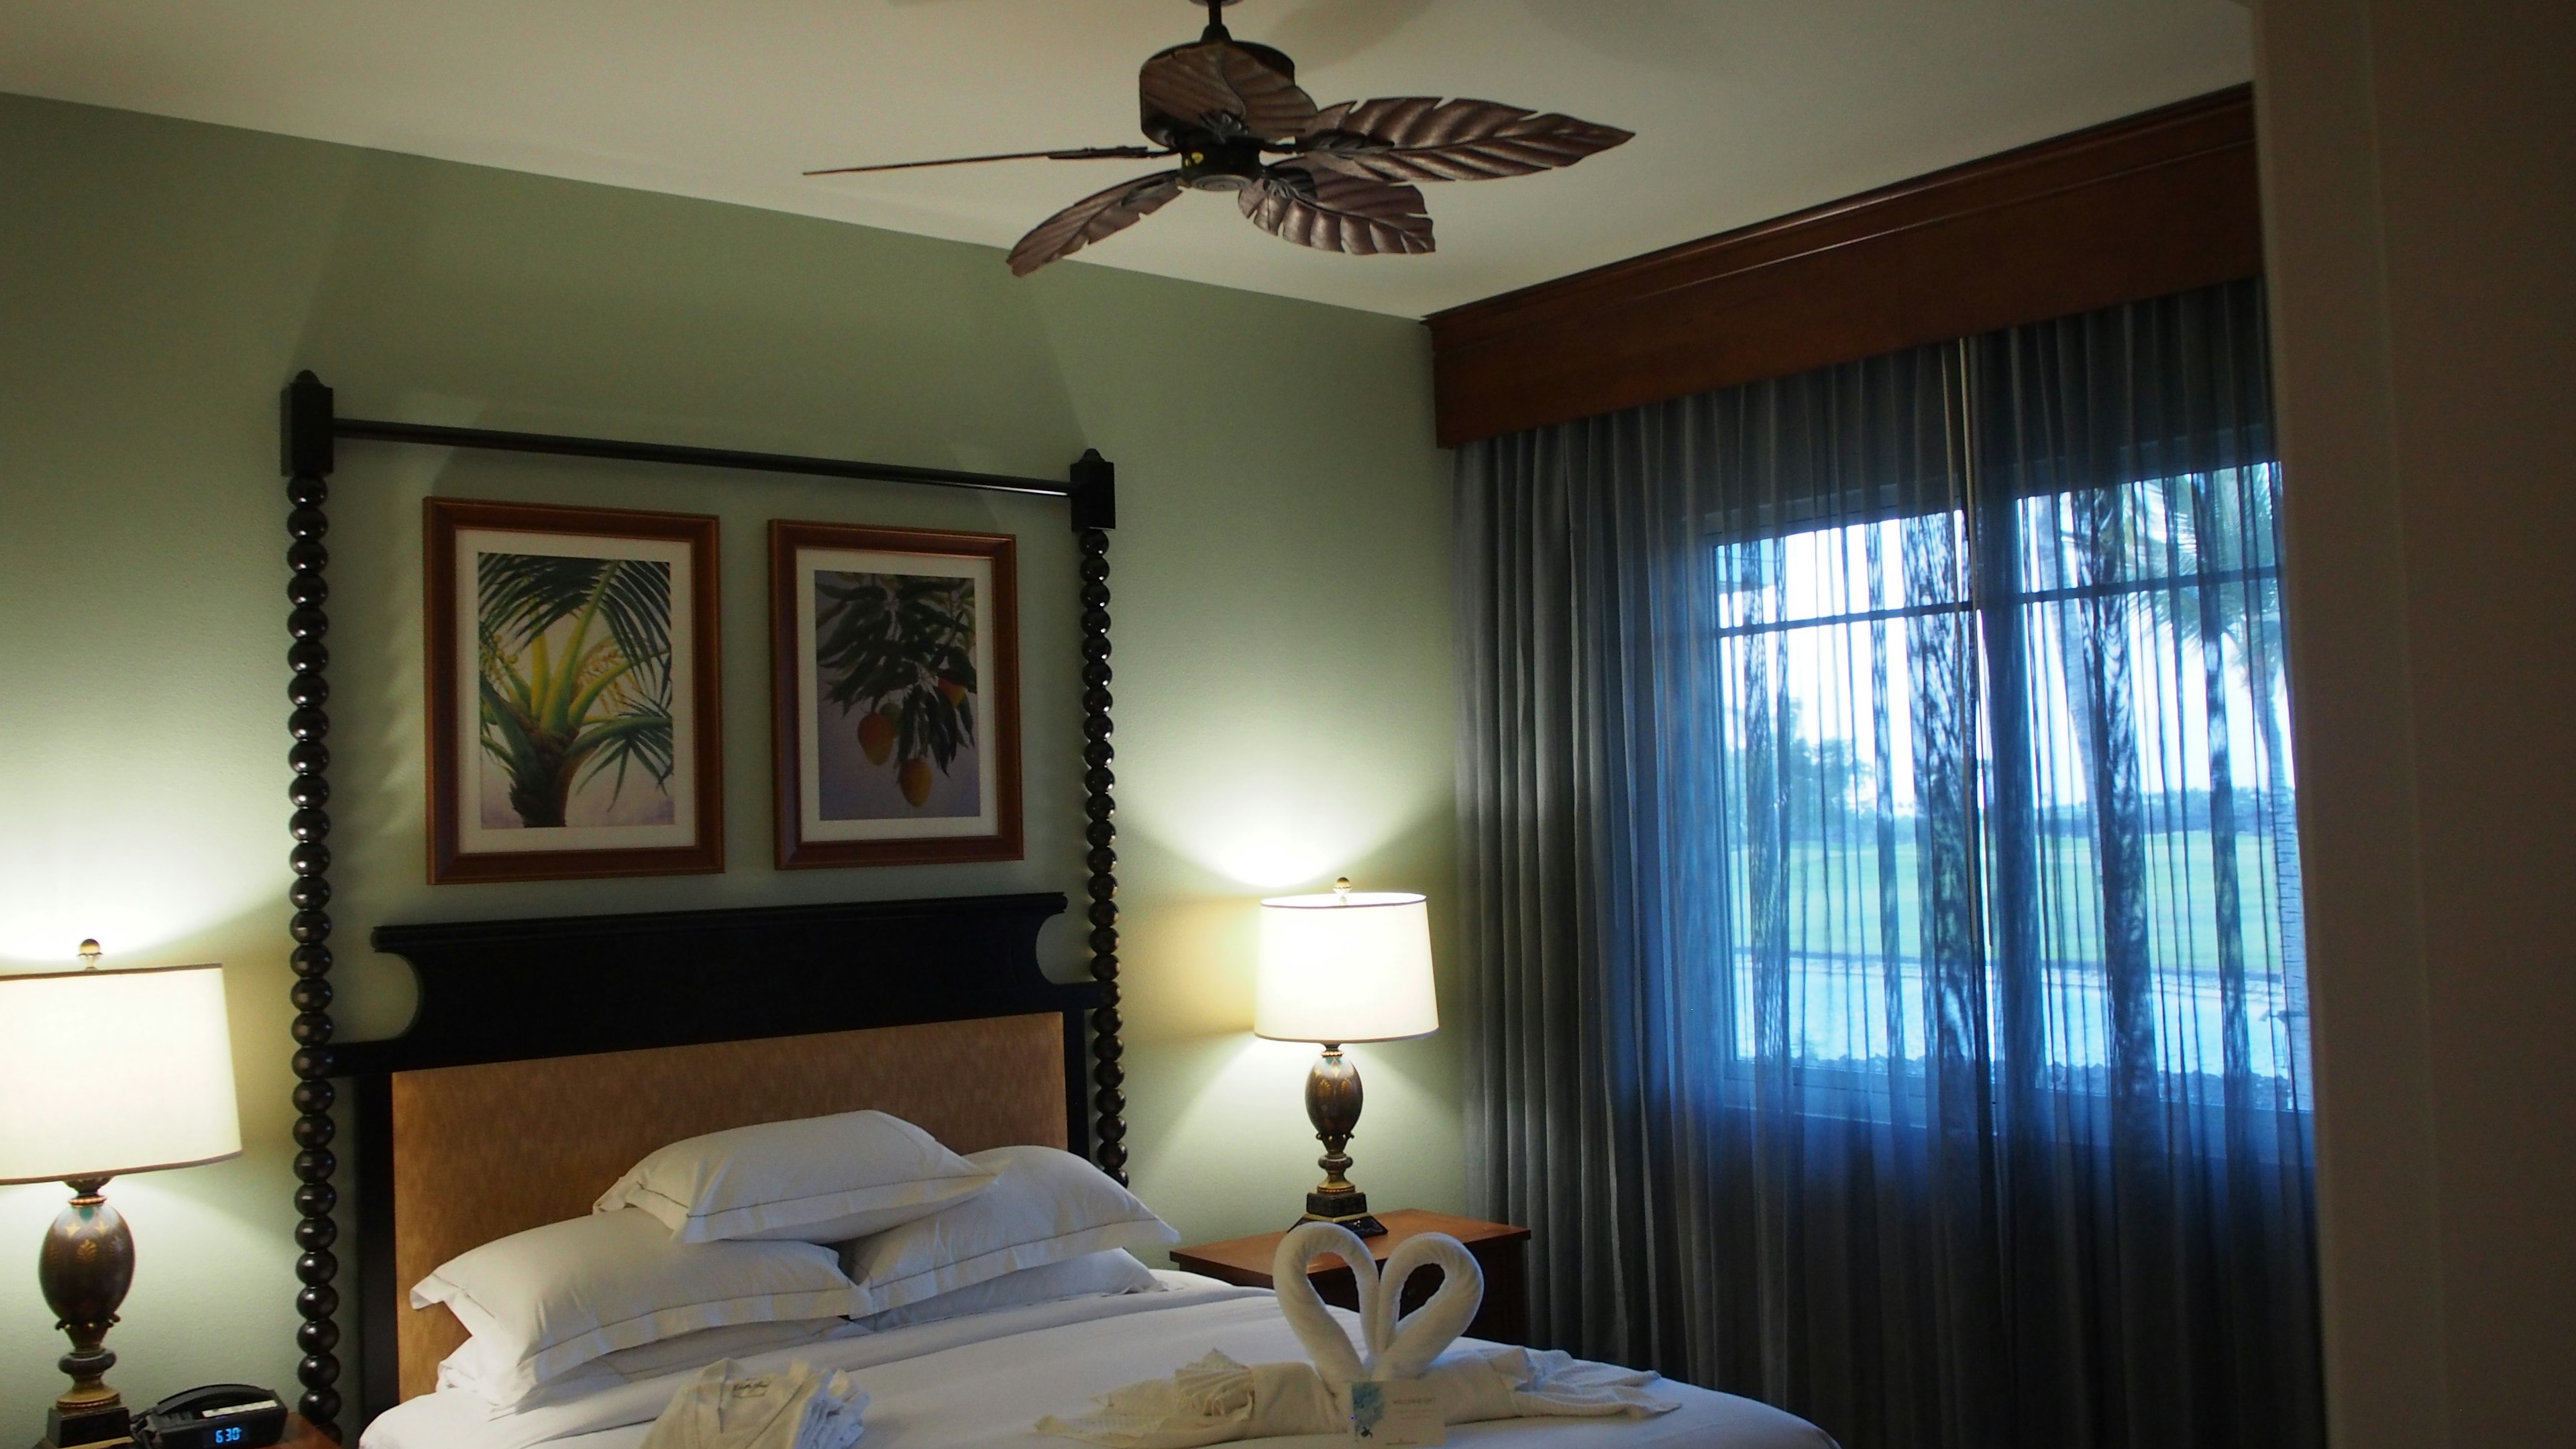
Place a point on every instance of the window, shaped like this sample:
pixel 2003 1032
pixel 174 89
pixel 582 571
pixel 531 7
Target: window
pixel 2021 737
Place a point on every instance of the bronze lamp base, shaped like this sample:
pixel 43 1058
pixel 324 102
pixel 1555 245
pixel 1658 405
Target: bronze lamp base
pixel 1333 1105
pixel 85 1267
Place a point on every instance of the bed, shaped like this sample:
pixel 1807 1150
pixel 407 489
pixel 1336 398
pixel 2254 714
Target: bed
pixel 546 1056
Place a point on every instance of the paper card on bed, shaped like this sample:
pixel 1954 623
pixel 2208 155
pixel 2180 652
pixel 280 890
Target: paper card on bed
pixel 1396 1413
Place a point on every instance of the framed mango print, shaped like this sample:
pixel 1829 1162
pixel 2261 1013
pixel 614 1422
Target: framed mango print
pixel 895 695
pixel 572 681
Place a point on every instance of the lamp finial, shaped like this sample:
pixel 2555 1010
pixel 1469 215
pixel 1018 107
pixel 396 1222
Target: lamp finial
pixel 1341 887
pixel 89 953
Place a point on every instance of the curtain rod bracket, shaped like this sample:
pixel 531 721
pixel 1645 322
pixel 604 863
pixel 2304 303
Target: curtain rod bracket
pixel 305 431
pixel 1094 491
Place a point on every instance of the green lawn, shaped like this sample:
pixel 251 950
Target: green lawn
pixel 1839 1005
pixel 1834 898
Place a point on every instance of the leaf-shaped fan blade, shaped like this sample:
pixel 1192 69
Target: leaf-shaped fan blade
pixel 1423 138
pixel 1077 153
pixel 1333 212
pixel 1093 217
pixel 1226 90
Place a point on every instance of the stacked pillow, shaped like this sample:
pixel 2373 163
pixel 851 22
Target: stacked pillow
pixel 812 1180
pixel 1045 1207
pixel 551 1299
pixel 780 1234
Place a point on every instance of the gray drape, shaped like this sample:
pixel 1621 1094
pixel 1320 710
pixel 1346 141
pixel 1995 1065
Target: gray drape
pixel 1881 906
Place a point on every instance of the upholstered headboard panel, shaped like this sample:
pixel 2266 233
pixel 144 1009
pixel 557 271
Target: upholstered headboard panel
pixel 484 1151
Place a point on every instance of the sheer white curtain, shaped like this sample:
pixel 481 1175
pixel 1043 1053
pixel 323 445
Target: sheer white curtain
pixel 1882 898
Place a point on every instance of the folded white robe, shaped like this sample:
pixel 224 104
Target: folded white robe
pixel 1217 1400
pixel 725 1407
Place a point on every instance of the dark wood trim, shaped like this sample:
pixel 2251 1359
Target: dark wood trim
pixel 2156 203
pixel 516 990
pixel 305 456
pixel 449 863
pixel 1100 831
pixel 788 711
pixel 380 1290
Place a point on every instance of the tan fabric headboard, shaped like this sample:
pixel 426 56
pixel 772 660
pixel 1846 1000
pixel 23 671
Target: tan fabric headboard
pixel 484 1151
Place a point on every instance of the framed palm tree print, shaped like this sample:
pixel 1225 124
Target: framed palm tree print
pixel 895 695
pixel 572 672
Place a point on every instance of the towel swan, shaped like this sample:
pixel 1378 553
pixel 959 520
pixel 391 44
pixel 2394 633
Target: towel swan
pixel 1396 1347
pixel 1417 1338
pixel 1316 1328
pixel 1217 1399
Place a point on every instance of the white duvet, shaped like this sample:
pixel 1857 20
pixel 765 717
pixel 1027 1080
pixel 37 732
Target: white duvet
pixel 986 1380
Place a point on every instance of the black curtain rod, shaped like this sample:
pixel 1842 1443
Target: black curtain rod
pixel 381 432
pixel 311 424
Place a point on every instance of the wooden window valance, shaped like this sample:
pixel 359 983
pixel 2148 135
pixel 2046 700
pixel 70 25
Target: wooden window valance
pixel 2156 203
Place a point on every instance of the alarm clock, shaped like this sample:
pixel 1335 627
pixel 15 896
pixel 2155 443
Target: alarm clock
pixel 218 1416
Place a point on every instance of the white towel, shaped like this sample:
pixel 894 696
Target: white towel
pixel 1217 1400
pixel 1394 1350
pixel 1317 1330
pixel 726 1408
pixel 1413 1342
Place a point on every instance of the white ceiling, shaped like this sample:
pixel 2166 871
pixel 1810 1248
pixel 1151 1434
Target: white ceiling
pixel 1743 109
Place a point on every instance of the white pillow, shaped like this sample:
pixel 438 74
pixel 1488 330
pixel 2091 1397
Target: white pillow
pixel 1045 1206
pixel 697 1350
pixel 553 1298
pixel 1093 1275
pixel 813 1179
pixel 471 1369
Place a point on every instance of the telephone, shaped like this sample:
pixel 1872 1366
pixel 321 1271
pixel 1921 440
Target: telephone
pixel 218 1416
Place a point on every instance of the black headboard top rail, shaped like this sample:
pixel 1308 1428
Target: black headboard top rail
pixel 496 991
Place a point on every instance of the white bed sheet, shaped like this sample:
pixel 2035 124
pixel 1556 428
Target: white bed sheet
pixel 982 1382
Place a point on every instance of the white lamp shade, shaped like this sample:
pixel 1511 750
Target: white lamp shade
pixel 104 1073
pixel 1345 967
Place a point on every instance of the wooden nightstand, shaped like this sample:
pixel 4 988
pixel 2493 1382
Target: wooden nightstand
pixel 1500 1249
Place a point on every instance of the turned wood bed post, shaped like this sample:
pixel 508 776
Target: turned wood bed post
pixel 307 465
pixel 1095 512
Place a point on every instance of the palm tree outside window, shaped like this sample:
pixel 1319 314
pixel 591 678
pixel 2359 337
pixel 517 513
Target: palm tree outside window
pixel 1819 633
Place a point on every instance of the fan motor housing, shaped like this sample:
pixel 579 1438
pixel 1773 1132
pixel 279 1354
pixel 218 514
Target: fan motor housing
pixel 1213 163
pixel 1176 132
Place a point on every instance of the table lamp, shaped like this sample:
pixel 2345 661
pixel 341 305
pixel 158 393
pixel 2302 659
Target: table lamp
pixel 103 1073
pixel 1335 969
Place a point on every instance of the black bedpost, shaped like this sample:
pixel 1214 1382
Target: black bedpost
pixel 307 463
pixel 1095 512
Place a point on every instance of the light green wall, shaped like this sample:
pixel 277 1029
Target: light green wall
pixel 1284 686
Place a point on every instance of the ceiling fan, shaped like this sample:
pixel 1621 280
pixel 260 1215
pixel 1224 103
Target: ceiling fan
pixel 1334 177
